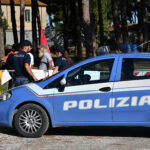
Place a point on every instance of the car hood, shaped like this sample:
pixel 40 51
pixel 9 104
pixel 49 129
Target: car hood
pixel 39 91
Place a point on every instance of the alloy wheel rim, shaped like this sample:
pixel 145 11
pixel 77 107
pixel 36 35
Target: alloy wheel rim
pixel 30 121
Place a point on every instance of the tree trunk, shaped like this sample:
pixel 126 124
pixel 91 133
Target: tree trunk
pixel 78 29
pixel 144 27
pixel 93 32
pixel 2 52
pixel 116 21
pixel 38 20
pixel 124 25
pixel 21 20
pixel 66 15
pixel 13 20
pixel 140 33
pixel 34 31
pixel 101 27
pixel 87 28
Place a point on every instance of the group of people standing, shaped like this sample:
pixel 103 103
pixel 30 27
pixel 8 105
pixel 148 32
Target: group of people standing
pixel 22 61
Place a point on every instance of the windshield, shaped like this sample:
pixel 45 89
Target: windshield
pixel 44 79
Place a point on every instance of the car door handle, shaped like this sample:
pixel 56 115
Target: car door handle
pixel 105 89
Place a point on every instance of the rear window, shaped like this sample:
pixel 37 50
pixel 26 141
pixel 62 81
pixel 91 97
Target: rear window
pixel 134 69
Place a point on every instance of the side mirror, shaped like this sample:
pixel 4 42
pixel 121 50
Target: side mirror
pixel 62 83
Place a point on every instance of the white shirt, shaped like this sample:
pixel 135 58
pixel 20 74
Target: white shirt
pixel 44 64
pixel 32 59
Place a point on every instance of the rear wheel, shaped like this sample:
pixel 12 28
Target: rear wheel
pixel 31 120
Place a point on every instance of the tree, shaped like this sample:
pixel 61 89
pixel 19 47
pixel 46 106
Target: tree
pixel 116 21
pixel 142 24
pixel 70 16
pixel 93 32
pixel 145 26
pixel 55 11
pixel 66 20
pixel 38 20
pixel 5 27
pixel 13 20
pixel 21 20
pixel 87 28
pixel 106 19
pixel 1 35
pixel 78 16
pixel 101 29
pixel 34 29
pixel 124 25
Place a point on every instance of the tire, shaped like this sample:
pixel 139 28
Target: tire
pixel 31 121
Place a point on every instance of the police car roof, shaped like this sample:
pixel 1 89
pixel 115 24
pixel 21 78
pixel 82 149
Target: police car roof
pixel 125 55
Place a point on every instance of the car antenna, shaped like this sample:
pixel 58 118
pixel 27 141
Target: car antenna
pixel 141 44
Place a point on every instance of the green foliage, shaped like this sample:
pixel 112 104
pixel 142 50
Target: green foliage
pixel 148 16
pixel 58 18
pixel 8 46
pixel 55 12
pixel 5 24
pixel 106 11
pixel 4 87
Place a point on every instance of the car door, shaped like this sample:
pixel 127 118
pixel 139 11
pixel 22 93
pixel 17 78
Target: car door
pixel 131 92
pixel 86 96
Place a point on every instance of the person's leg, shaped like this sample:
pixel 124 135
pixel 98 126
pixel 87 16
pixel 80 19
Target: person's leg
pixel 13 83
pixel 24 81
pixel 21 80
pixel 17 82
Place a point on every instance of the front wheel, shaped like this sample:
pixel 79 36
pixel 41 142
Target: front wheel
pixel 31 120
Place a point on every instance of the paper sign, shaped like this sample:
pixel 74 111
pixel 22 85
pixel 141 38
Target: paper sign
pixel 39 74
pixel 5 77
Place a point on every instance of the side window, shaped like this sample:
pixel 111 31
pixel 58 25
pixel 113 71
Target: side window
pixel 55 83
pixel 134 69
pixel 94 72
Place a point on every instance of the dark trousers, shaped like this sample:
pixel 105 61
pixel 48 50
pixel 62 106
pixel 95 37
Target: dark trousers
pixel 19 81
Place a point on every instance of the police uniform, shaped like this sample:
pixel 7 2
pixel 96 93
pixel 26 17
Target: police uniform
pixel 18 63
pixel 61 62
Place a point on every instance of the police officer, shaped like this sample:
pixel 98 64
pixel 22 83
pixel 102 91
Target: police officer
pixel 21 65
pixel 61 62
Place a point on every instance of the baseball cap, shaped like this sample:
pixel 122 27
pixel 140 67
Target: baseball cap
pixel 25 43
pixel 43 46
pixel 59 49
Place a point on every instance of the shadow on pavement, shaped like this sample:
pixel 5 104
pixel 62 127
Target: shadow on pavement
pixel 8 131
pixel 102 131
pixel 91 131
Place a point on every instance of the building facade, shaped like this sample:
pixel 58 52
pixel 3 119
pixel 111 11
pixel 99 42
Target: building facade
pixel 6 9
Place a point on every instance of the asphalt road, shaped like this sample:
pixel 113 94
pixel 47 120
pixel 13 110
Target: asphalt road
pixel 83 138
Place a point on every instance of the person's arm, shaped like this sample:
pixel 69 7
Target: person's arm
pixel 28 68
pixel 50 65
pixel 49 60
pixel 31 60
pixel 4 59
pixel 55 70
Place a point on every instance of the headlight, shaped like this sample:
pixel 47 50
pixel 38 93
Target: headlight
pixel 5 96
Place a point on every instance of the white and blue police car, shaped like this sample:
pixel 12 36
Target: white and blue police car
pixel 109 90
